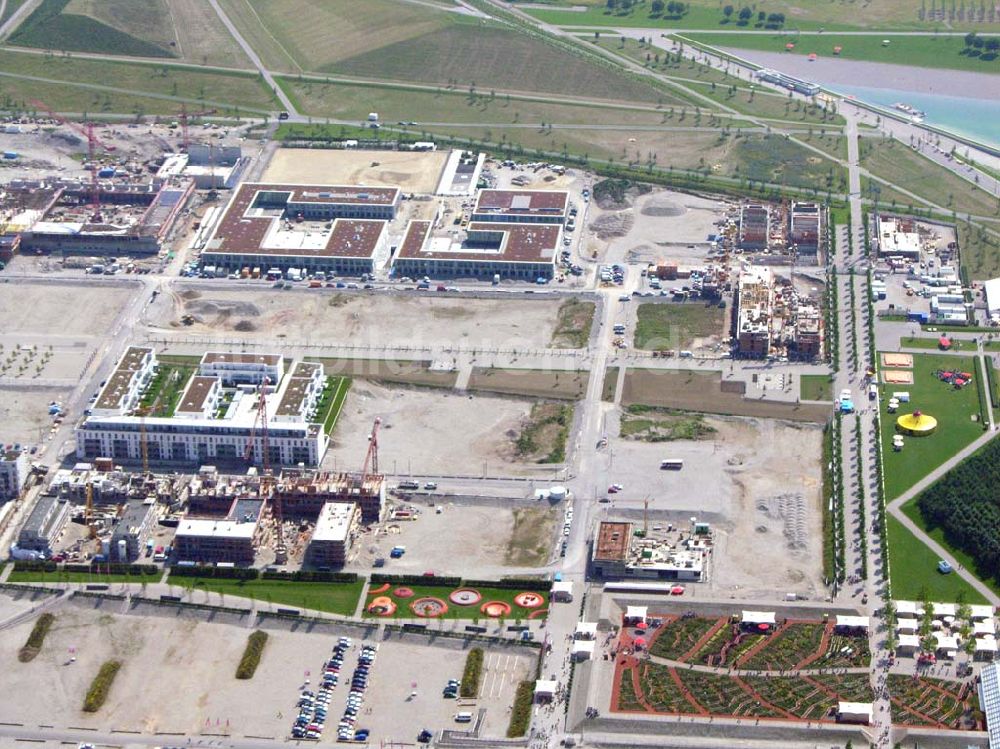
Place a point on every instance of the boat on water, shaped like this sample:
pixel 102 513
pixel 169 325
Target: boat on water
pixel 914 113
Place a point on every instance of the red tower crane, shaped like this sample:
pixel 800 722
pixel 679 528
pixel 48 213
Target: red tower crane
pixel 371 457
pixel 184 117
pixel 93 143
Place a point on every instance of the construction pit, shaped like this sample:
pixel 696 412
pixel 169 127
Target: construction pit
pixel 184 668
pixel 521 534
pixel 756 481
pixel 418 432
pixel 327 318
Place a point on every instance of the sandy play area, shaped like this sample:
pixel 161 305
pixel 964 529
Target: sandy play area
pixel 897 377
pixel 409 171
pixel 904 361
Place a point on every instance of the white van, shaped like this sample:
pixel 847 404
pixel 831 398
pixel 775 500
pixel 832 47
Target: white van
pixel 463 717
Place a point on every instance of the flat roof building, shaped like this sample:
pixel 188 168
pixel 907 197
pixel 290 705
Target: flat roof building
pixel 133 530
pixel 755 226
pixel 242 368
pixel 518 251
pixel 617 554
pixel 125 384
pixel 47 519
pixel 316 228
pixel 895 236
pixel 753 312
pixel 232 540
pixel 521 206
pixel 14 471
pixel 805 227
pixel 335 529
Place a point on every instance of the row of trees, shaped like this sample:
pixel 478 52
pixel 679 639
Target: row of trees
pixel 673 8
pixel 976 43
pixel 767 20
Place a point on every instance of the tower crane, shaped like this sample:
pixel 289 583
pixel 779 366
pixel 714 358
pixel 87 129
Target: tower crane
pixel 371 457
pixel 267 475
pixel 184 116
pixel 93 143
pixel 88 511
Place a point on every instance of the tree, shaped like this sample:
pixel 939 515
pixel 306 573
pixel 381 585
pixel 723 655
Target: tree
pixel 612 4
pixel 745 14
pixel 992 45
pixel 970 38
pixel 727 11
pixel 657 6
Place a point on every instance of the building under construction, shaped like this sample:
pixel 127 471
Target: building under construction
pixel 110 217
pixel 621 551
pixel 753 313
pixel 755 226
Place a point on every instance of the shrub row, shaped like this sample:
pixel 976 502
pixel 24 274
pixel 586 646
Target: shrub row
pixel 100 686
pixel 452 582
pixel 520 715
pixel 103 568
pixel 251 655
pixel 33 645
pixel 207 570
pixel 829 527
pixel 860 495
pixel 513 583
pixel 307 576
pixel 472 674
pixel 840 537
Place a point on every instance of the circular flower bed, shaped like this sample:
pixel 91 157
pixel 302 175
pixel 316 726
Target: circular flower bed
pixel 380 589
pixel 529 600
pixel 538 613
pixel 429 607
pixel 495 609
pixel 403 593
pixel 465 597
pixel 382 606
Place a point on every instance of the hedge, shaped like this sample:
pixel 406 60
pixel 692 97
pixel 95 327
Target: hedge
pixel 520 715
pixel 251 655
pixel 307 576
pixel 453 582
pixel 33 646
pixel 513 583
pixel 102 568
pixel 100 686
pixel 473 673
pixel 207 570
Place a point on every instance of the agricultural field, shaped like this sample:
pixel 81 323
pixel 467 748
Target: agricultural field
pixel 930 51
pixel 419 43
pixel 953 408
pixel 104 26
pixel 705 14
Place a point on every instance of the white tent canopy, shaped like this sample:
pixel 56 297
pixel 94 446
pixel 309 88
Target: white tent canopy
pixel 853 622
pixel 909 642
pixel 546 689
pixel 586 631
pixel 986 644
pixel 635 613
pixel 984 627
pixel 758 617
pixel 583 649
pixel 907 625
pixel 562 590
pixel 981 611
pixel 908 608
pixel 855 712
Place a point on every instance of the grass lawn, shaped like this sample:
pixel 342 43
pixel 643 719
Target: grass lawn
pixel 980 250
pixel 335 598
pixel 816 388
pixel 952 408
pixel 505 595
pixel 15 93
pixel 166 388
pixel 901 165
pixel 932 343
pixel 610 384
pixel 573 325
pixel 543 436
pixel 236 89
pixel 913 568
pixel 59 576
pixel 924 51
pixel 332 401
pixel 11 9
pixel 665 325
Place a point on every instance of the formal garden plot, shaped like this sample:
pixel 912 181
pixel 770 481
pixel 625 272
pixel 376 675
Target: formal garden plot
pixel 628 700
pixel 661 690
pixel 726 647
pixel 922 701
pixel 787 648
pixel 844 652
pixel 801 698
pixel 722 695
pixel 678 636
pixel 847 687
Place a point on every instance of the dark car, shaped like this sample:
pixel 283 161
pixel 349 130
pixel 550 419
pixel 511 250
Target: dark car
pixel 425 736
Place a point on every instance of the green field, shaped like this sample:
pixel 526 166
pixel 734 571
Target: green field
pixel 334 598
pixel 901 165
pixel 11 9
pixel 913 570
pixel 398 102
pixel 505 595
pixel 238 90
pixel 980 250
pixel 706 14
pixel 927 51
pixel 952 408
pixel 676 326
pixel 932 343
pixel 332 401
pixel 16 95
pixel 59 25
pixel 816 387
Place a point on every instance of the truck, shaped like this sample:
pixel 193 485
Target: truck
pixel 496 279
pixel 293 274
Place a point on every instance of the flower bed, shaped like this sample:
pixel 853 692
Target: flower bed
pixel 936 699
pixel 798 696
pixel 845 652
pixel 661 692
pixel 709 652
pixel 678 636
pixel 628 700
pixel 847 687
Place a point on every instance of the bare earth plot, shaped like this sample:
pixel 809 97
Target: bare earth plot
pixel 24 412
pixel 359 319
pixel 409 171
pixel 54 309
pixel 763 507
pixel 184 671
pixel 429 432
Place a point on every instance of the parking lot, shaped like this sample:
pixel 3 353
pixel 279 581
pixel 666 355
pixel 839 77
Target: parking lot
pixel 184 670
